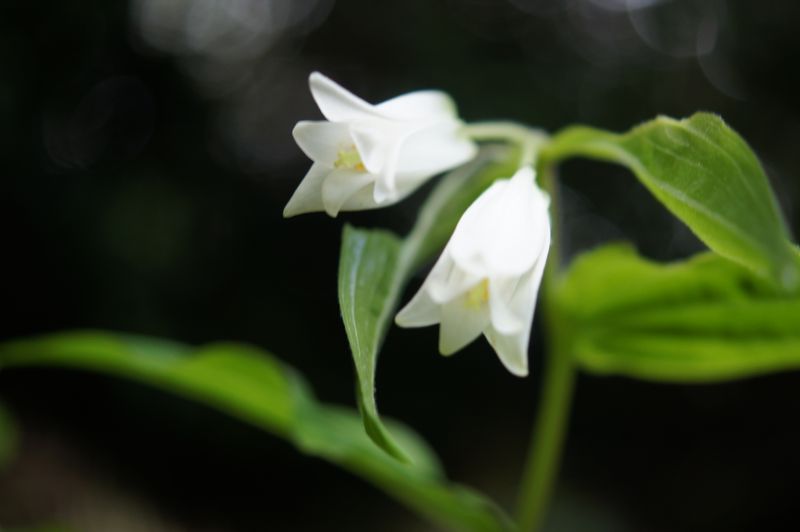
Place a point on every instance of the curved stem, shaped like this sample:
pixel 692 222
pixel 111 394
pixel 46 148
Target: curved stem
pixel 528 139
pixel 544 454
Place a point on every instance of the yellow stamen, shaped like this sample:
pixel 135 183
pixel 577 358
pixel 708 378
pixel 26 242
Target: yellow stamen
pixel 478 295
pixel 349 159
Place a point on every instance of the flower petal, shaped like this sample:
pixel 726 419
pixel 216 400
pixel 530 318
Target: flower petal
pixel 337 103
pixel 341 186
pixel 503 232
pixel 425 105
pixel 421 311
pixel 308 195
pixel 512 350
pixel 473 231
pixel 505 316
pixel 379 144
pixel 371 139
pixel 460 325
pixel 322 141
pixel 434 150
pixel 447 281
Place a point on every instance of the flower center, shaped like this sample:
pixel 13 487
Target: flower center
pixel 349 159
pixel 478 295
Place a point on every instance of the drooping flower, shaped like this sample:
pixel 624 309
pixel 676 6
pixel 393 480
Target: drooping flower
pixel 488 276
pixel 367 156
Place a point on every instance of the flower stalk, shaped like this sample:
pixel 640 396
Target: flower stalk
pixel 547 436
pixel 543 459
pixel 528 139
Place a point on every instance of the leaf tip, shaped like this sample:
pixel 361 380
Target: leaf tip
pixel 379 434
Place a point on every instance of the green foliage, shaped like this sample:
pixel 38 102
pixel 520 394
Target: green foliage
pixel 705 319
pixel 8 437
pixel 707 176
pixel 367 280
pixel 375 266
pixel 249 384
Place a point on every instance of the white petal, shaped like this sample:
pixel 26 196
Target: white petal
pixel 420 105
pixel 448 281
pixel 444 283
pixel 474 230
pixel 512 347
pixel 322 141
pixel 408 183
pixel 337 103
pixel 523 302
pixel 372 140
pixel 379 144
pixel 504 316
pixel 512 350
pixel 434 150
pixel 308 196
pixel 340 186
pixel 461 324
pixel 503 232
pixel 421 311
pixel 386 185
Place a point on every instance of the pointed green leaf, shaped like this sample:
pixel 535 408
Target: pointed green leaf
pixel 252 386
pixel 707 176
pixel 705 319
pixel 368 278
pixel 375 265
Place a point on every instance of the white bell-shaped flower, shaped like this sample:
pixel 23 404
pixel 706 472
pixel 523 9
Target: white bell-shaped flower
pixel 368 156
pixel 488 276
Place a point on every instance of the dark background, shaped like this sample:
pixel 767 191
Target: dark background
pixel 146 158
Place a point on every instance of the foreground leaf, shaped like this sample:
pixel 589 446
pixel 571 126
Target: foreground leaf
pixel 702 320
pixel 375 266
pixel 249 384
pixel 707 176
pixel 368 278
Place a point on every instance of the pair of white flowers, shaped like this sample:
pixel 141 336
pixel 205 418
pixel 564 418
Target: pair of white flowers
pixel 487 278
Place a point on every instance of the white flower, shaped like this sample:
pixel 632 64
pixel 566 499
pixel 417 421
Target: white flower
pixel 367 156
pixel 488 275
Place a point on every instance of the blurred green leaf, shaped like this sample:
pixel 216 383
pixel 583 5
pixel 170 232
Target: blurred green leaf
pixel 251 385
pixel 375 266
pixel 8 437
pixel 707 176
pixel 705 319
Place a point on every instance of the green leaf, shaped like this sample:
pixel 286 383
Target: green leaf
pixel 707 176
pixel 8 438
pixel 252 386
pixel 701 320
pixel 368 278
pixel 375 266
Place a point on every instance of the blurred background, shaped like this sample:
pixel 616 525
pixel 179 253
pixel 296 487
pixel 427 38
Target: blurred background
pixel 146 154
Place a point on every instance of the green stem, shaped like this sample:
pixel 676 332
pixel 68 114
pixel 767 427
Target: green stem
pixel 544 454
pixel 528 139
pixel 542 462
